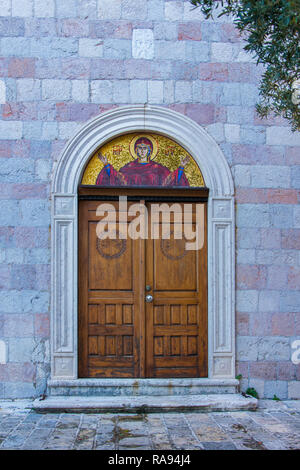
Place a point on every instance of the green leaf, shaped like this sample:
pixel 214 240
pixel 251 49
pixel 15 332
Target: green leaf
pixel 252 392
pixel 273 38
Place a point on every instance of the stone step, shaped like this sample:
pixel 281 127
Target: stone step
pixel 144 387
pixel 145 404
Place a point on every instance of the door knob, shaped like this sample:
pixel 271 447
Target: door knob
pixel 149 298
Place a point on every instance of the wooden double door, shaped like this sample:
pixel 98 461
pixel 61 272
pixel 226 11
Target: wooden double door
pixel 142 302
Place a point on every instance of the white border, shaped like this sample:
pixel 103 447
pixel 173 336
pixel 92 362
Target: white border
pixel 64 225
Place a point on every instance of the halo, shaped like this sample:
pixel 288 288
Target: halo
pixel 147 136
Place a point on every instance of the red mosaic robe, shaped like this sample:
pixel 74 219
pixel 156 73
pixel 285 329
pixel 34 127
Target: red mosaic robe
pixel 141 174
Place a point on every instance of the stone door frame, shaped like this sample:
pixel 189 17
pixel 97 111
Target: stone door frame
pixel 67 175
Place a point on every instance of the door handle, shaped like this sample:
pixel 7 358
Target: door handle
pixel 149 298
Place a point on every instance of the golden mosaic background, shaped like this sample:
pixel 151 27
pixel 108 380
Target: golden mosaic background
pixel 118 154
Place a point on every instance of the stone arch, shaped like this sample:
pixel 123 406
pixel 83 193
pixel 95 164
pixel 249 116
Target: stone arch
pixel 125 119
pixel 66 177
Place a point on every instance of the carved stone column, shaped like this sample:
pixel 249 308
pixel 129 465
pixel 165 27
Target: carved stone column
pixel 64 286
pixel 221 293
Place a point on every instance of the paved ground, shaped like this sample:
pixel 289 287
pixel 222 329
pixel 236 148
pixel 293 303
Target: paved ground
pixel 275 425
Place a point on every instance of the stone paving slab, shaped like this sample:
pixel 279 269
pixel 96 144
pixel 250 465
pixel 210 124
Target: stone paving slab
pixel 273 426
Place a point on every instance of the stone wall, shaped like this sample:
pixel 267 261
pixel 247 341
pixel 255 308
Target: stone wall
pixel 64 62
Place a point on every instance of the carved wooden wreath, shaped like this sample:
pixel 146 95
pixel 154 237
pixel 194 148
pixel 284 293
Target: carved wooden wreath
pixel 111 248
pixel 168 244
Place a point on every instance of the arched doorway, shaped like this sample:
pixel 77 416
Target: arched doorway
pixel 220 232
pixel 143 261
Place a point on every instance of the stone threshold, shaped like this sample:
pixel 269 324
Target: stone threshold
pixel 137 387
pixel 145 404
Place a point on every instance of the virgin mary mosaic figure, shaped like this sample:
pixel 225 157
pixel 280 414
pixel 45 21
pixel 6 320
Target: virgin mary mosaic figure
pixel 142 171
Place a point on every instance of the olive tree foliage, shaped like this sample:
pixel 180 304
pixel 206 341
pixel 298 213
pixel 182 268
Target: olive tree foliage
pixel 271 29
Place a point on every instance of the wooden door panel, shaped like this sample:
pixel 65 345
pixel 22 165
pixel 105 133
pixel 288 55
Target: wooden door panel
pixel 106 345
pixel 109 301
pixel 111 341
pixel 110 262
pixel 174 267
pixel 177 319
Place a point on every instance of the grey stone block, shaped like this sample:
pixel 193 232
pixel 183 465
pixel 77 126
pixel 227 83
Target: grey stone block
pixel 295 177
pixel 101 91
pixel 242 175
pixel 19 390
pixel 57 90
pixel 270 176
pixel 121 91
pixel 117 49
pixel 138 91
pixel 28 89
pixel 10 211
pixel 247 300
pixel 35 213
pixel 136 10
pixel 253 215
pixel 248 238
pixel 247 348
pixel 268 301
pixel 253 135
pixel 175 52
pixel 290 301
pixel 35 301
pixel 23 277
pixel 274 348
pixel 276 387
pixel 32 130
pixel 15 47
pixel 197 51
pixel 17 170
pixel 49 47
pixel 183 92
pixel 10 130
pixel 165 30
pixel 294 390
pixel 245 256
pixel 20 349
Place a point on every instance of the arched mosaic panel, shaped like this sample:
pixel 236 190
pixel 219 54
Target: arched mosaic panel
pixel 142 159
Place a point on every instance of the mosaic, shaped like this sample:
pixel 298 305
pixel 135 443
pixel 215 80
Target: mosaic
pixel 142 159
